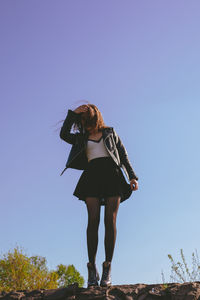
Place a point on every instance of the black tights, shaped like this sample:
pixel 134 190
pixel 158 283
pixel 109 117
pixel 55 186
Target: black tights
pixel 110 215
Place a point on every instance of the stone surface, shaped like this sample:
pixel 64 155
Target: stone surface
pixel 170 291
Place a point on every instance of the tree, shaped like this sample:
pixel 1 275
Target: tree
pixel 68 275
pixel 20 272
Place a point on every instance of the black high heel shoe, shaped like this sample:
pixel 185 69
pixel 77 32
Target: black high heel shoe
pixel 93 275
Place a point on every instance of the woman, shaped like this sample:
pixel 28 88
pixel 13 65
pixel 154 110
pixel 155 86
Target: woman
pixel 98 150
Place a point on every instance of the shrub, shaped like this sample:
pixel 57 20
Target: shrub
pixel 180 271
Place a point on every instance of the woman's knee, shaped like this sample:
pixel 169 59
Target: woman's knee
pixel 93 207
pixel 111 210
pixel 93 222
pixel 110 220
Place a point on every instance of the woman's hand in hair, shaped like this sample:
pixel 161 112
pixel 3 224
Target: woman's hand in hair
pixel 135 183
pixel 81 109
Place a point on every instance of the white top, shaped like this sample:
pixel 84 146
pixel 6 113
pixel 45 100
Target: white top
pixel 96 149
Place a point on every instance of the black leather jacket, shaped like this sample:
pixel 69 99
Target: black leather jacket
pixel 77 158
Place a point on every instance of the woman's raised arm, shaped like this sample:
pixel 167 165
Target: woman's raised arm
pixel 66 127
pixel 72 116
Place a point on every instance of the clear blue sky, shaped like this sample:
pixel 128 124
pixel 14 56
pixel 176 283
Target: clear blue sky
pixel 139 62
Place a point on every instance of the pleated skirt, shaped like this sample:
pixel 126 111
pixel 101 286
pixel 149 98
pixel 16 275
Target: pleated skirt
pixel 102 178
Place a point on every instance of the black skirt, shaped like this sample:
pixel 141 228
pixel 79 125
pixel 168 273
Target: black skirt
pixel 101 179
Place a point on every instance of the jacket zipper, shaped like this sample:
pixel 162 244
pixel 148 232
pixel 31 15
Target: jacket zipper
pixel 73 159
pixel 108 150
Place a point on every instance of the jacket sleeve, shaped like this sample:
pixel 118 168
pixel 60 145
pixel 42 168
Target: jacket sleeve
pixel 65 134
pixel 124 156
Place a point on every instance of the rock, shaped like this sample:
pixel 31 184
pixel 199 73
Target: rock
pixel 169 291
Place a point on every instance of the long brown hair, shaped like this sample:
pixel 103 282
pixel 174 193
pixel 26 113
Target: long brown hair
pixel 91 118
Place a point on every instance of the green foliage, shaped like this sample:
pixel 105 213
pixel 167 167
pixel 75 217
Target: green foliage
pixel 180 271
pixel 68 275
pixel 20 272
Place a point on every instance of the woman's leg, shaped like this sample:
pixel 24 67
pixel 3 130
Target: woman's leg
pixel 111 209
pixel 93 208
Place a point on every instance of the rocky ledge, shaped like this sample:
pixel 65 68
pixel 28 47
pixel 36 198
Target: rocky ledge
pixel 169 291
